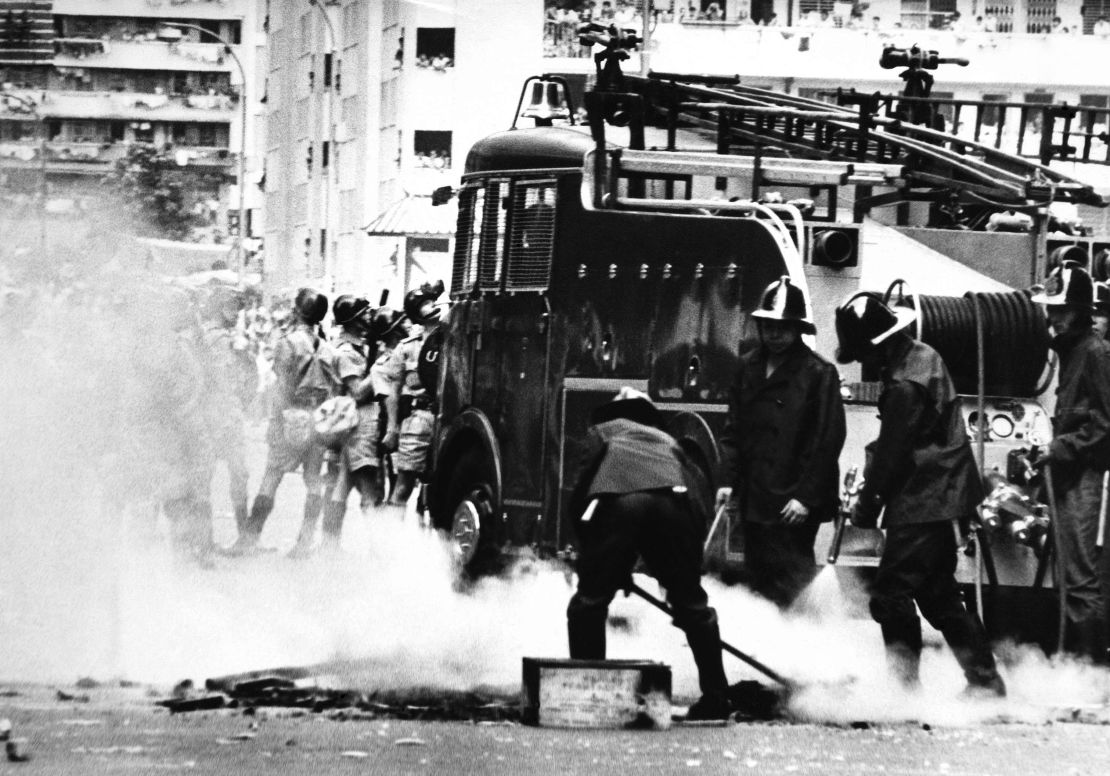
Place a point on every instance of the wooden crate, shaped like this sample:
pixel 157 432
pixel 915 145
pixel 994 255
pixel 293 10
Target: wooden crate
pixel 596 693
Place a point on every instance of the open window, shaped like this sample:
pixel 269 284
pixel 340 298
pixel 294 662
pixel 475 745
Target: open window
pixel 435 47
pixel 432 148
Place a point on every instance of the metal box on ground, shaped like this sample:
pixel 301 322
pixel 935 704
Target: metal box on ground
pixel 596 693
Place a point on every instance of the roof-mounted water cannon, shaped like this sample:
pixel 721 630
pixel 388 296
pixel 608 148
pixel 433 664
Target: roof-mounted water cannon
pixel 616 42
pixel 919 83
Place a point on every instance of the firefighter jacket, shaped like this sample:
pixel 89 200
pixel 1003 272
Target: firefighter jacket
pixel 1081 423
pixel 921 467
pixel 622 456
pixel 783 435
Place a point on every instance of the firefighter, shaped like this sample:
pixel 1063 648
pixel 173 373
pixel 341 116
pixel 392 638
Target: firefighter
pixel 1078 454
pixel 234 378
pixel 781 444
pixel 922 476
pixel 638 497
pixel 304 366
pixel 359 459
pixel 415 410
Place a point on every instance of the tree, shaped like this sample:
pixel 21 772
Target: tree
pixel 155 188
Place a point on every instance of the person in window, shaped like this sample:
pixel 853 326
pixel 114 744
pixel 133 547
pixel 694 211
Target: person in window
pixel 1101 27
pixel 780 446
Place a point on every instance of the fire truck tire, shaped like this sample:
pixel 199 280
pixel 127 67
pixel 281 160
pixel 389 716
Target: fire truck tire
pixel 470 502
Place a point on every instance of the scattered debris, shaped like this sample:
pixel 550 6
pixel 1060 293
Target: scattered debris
pixel 244 737
pixel 355 753
pixel 5 729
pixel 65 697
pixel 860 724
pixel 86 683
pixel 183 689
pixel 202 703
pixel 17 750
pixel 8 693
pixel 230 682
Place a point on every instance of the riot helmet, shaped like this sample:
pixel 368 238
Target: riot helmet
pixel 419 303
pixel 348 308
pixel 865 321
pixel 384 322
pixel 784 301
pixel 310 305
pixel 1068 285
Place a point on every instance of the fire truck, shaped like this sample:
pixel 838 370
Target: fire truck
pixel 629 250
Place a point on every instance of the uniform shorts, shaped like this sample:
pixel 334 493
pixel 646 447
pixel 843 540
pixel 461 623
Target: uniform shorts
pixel 412 445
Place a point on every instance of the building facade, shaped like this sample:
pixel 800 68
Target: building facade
pixel 86 81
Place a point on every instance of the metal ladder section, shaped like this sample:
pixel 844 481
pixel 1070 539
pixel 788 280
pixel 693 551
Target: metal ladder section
pixel 789 140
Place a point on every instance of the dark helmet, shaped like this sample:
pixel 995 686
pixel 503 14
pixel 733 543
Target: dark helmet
pixel 1102 297
pixel 348 308
pixel 784 301
pixel 310 305
pixel 417 300
pixel 864 321
pixel 629 404
pixel 384 322
pixel 1068 284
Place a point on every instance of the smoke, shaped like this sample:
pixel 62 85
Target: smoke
pixel 90 585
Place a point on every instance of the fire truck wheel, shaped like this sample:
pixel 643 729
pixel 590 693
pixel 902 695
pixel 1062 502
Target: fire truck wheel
pixel 470 498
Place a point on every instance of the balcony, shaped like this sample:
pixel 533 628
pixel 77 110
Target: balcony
pixel 95 157
pixel 173 9
pixel 133 106
pixel 140 55
pixel 835 56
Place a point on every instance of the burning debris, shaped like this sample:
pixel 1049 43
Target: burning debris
pixel 285 688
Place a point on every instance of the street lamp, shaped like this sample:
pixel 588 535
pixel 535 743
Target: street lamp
pixel 171 33
pixel 32 107
pixel 333 151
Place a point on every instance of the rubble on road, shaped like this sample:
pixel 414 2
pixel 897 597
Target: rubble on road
pixel 285 689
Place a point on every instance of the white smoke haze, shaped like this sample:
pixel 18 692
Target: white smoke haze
pixel 91 588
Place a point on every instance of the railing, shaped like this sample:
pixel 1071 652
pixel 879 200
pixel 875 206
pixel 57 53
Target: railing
pixel 1075 133
pixel 82 152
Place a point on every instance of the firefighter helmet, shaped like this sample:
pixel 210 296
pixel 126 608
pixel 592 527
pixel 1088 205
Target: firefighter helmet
pixel 629 404
pixel 1102 297
pixel 784 301
pixel 310 305
pixel 348 308
pixel 865 321
pixel 1068 284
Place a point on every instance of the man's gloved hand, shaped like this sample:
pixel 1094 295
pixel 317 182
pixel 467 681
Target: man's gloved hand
pixel 795 512
pixel 865 513
pixel 724 495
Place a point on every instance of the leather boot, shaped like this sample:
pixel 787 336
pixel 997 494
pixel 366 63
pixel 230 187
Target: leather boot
pixel 307 535
pixel 968 641
pixel 332 528
pixel 247 543
pixel 586 632
pixel 705 644
pixel 903 652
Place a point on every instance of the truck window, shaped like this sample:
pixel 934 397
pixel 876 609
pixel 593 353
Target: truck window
pixel 479 248
pixel 531 236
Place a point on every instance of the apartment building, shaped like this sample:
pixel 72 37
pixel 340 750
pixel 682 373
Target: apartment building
pixel 84 81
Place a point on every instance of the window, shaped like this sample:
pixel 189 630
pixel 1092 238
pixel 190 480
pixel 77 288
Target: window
pixel 1039 15
pixel 432 148
pixel 479 243
pixel 209 135
pixel 435 47
pixel 532 236
pixel 1034 117
pixel 926 14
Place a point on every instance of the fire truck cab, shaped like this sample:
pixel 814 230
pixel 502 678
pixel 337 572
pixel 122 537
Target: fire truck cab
pixel 590 260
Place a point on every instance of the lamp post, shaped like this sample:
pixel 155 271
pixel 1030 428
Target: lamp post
pixel 333 151
pixel 32 108
pixel 241 175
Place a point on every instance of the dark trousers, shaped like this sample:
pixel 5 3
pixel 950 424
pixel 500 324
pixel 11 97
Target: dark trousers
pixel 779 559
pixel 659 527
pixel 919 565
pixel 1078 501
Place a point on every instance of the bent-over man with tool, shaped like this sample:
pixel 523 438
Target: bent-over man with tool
pixel 637 496
pixel 922 475
pixel 780 446
pixel 1078 454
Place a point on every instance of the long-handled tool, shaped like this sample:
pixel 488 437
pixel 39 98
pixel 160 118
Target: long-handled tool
pixel 848 495
pixel 770 673
pixel 1059 570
